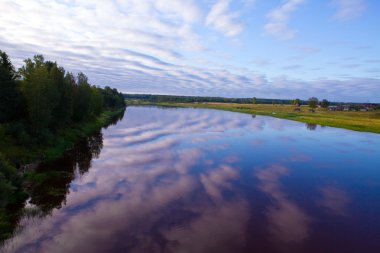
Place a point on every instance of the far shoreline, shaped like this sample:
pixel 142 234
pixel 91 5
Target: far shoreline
pixel 351 120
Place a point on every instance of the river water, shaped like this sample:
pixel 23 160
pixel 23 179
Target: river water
pixel 199 180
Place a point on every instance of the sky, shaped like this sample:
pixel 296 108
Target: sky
pixel 232 48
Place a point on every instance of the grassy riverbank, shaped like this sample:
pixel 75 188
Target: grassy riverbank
pixel 64 139
pixel 67 138
pixel 13 190
pixel 353 120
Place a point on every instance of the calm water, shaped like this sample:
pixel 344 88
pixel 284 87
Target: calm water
pixel 197 180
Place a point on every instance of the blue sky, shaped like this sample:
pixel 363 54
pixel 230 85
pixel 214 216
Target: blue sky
pixel 243 48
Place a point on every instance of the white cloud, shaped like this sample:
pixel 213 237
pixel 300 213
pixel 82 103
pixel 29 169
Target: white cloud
pixel 187 10
pixel 222 19
pixel 277 25
pixel 349 9
pixel 141 46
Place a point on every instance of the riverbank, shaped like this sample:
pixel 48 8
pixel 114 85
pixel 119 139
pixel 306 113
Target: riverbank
pixel 352 120
pixel 63 140
pixel 14 186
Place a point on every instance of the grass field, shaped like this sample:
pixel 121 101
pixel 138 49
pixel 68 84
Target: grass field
pixel 353 120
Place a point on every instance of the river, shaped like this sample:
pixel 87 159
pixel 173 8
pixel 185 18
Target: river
pixel 200 180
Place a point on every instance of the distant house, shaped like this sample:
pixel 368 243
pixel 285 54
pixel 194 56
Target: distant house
pixel 352 107
pixel 370 107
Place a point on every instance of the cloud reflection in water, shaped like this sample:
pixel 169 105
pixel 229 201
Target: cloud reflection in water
pixel 143 195
pixel 181 181
pixel 288 223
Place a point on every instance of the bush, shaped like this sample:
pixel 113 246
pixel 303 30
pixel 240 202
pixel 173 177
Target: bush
pixel 9 181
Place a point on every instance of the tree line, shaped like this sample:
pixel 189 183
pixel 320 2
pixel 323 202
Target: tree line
pixel 312 102
pixel 193 99
pixel 37 101
pixel 41 98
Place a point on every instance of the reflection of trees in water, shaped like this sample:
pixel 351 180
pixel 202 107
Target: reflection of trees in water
pixel 115 119
pixel 311 127
pixel 86 150
pixel 50 183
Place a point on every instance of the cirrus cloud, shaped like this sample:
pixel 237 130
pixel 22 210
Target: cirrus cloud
pixel 146 46
pixel 277 25
pixel 349 9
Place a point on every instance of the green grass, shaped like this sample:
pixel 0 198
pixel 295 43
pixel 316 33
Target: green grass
pixel 61 141
pixel 68 137
pixel 353 120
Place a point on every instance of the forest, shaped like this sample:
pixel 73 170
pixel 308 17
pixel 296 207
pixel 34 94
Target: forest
pixel 40 102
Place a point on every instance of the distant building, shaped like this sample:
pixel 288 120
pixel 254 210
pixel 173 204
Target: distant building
pixel 352 107
pixel 333 108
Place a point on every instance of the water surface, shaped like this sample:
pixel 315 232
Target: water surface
pixel 199 180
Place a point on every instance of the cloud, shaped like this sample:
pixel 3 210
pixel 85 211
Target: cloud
pixel 143 46
pixel 277 25
pixel 290 67
pixel 262 62
pixel 222 19
pixel 334 199
pixel 349 9
pixel 288 223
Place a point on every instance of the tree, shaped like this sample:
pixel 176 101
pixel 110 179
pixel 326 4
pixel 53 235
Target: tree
pixel 10 181
pixel 296 102
pixel 9 94
pixel 112 98
pixel 313 102
pixel 325 103
pixel 62 113
pixel 46 98
pixel 254 100
pixel 42 96
pixel 82 98
pixel 96 101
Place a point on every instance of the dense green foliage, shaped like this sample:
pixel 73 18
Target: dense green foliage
pixel 296 102
pixel 55 99
pixel 313 102
pixel 8 90
pixel 10 193
pixel 9 181
pixel 42 98
pixel 325 103
pixel 42 109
